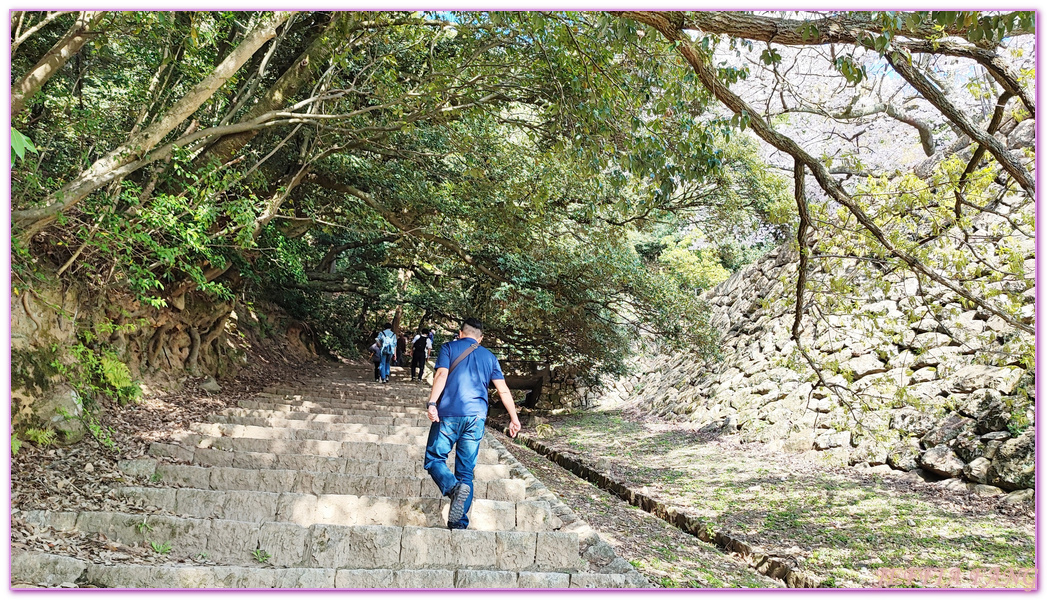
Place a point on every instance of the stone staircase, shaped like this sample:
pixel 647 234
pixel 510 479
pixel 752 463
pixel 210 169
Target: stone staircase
pixel 320 485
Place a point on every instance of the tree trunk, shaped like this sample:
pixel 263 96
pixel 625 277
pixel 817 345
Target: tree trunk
pixel 32 221
pixel 59 54
pixel 396 319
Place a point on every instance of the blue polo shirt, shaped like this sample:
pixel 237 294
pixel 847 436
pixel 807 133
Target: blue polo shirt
pixel 465 394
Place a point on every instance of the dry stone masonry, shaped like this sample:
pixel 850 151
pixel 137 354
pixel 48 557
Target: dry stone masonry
pixel 321 486
pixel 919 380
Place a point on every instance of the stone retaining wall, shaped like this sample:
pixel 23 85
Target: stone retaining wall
pixel 911 375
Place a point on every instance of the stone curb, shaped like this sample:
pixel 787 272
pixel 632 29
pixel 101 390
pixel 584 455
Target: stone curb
pixel 781 568
pixel 600 556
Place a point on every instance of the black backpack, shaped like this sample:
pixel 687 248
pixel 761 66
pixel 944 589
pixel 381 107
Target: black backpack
pixel 419 345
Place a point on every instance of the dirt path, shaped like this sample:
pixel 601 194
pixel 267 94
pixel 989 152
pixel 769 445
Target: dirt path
pixel 665 555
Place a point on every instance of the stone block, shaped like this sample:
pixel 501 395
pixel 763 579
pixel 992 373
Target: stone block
pixel 389 468
pixel 557 551
pixel 515 550
pixel 366 450
pixel 251 506
pixel 57 520
pixel 229 478
pixel 972 377
pixel 276 481
pixel 202 504
pixel 903 455
pixel 1013 465
pixel 182 577
pixel 123 576
pixel 399 487
pixel 486 515
pixel 209 457
pixel 472 548
pixel 226 577
pixel 254 460
pixel 535 579
pixel 363 547
pixel 297 508
pixel 231 542
pixel 165 498
pixel 426 547
pixel 286 543
pixel 45 569
pixel 946 430
pixel 305 578
pixel 188 537
pixel 535 516
pixel 183 476
pixel 424 579
pixel 484 579
pixel 508 490
pixel 600 580
pixel 256 578
pixel 175 451
pixel 311 482
pixel 138 467
pixel 942 461
pixel 364 578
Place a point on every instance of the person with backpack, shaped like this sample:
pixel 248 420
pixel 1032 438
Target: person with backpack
pixel 386 341
pixel 457 408
pixel 421 346
pixel 376 358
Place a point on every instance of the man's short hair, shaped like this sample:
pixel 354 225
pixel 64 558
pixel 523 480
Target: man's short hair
pixel 474 326
pixel 387 326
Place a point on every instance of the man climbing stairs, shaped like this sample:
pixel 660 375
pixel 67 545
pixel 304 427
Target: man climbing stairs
pixel 320 485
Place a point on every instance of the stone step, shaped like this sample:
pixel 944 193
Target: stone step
pixel 230 542
pixel 360 417
pixel 346 424
pixel 353 450
pixel 342 509
pixel 382 406
pixel 372 416
pixel 314 482
pixel 377 400
pixel 208 457
pixel 49 570
pixel 301 433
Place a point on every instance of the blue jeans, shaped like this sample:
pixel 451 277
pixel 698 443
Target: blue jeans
pixel 466 433
pixel 383 369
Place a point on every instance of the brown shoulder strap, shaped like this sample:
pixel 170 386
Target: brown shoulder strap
pixel 462 356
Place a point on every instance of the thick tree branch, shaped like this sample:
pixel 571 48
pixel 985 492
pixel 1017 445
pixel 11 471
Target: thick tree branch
pixel 801 243
pixel 30 83
pixel 852 29
pixel 928 90
pixel 707 75
pixel 20 36
pixel 32 221
pixel 835 29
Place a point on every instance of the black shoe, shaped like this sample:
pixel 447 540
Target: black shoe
pixel 458 497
